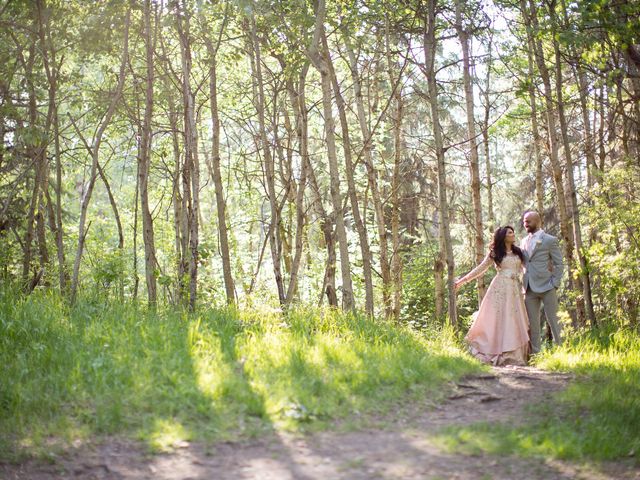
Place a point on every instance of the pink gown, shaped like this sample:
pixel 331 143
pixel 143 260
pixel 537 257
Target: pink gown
pixel 499 334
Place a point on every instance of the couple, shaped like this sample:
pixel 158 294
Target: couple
pixel 499 334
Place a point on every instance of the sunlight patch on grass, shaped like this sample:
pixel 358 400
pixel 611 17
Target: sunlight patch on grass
pixel 119 368
pixel 167 435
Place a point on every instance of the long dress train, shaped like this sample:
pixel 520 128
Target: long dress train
pixel 499 334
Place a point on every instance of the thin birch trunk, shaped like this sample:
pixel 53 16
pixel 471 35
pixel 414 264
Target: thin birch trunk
pixel 298 101
pixel 474 162
pixel 95 148
pixel 372 177
pixel 191 167
pixel 181 237
pixel 144 159
pixel 491 218
pixel 396 121
pixel 583 88
pixel 430 46
pixel 216 172
pixel 32 152
pixel 136 277
pixel 351 186
pixel 585 303
pixel 537 138
pixel 275 240
pixel 318 57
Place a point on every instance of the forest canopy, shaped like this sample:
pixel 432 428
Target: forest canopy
pixel 346 153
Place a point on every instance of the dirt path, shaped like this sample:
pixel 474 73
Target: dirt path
pixel 396 447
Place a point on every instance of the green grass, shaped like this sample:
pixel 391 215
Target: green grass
pixel 165 376
pixel 596 418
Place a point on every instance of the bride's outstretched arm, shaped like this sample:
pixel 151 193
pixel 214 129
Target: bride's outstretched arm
pixel 475 273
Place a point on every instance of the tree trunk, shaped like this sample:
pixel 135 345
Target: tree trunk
pixel 372 177
pixel 329 281
pixel 319 58
pixel 136 277
pixel 34 154
pixel 351 187
pixel 474 163
pixel 537 138
pixel 52 69
pixel 275 240
pixel 62 264
pixel 491 218
pixel 396 121
pixel 298 101
pixel 216 172
pixel 438 278
pixel 191 167
pixel 589 143
pixel 585 304
pixel 327 227
pixel 144 159
pixel 95 148
pixel 430 46
pixel 590 156
pixel 179 210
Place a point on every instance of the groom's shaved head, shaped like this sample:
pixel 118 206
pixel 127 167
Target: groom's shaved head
pixel 531 221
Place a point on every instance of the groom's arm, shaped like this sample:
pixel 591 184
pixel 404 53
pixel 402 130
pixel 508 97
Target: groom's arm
pixel 557 263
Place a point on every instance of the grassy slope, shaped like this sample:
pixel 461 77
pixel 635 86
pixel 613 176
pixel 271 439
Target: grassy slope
pixel 167 376
pixel 596 418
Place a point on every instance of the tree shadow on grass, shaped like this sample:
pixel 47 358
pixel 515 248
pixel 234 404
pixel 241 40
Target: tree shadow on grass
pixel 167 377
pixel 340 364
pixel 110 368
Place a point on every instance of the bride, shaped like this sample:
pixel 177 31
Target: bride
pixel 499 334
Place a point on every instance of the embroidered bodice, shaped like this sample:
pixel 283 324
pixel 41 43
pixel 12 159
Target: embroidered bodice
pixel 510 267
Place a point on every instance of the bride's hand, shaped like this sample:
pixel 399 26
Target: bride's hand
pixel 457 284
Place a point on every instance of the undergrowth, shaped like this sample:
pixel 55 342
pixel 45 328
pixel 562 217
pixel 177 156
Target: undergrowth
pixel 164 376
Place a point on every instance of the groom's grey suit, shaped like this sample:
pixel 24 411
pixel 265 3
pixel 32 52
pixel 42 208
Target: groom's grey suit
pixel 542 277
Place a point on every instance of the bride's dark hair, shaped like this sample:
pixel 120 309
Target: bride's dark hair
pixel 498 250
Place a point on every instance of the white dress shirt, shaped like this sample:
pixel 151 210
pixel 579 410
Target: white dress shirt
pixel 532 238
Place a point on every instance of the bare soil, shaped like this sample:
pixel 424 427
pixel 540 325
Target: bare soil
pixel 392 446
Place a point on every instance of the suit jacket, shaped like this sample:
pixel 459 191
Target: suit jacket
pixel 544 267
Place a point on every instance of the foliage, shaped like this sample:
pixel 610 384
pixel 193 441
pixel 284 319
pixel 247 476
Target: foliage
pixel 110 272
pixel 418 286
pixel 614 255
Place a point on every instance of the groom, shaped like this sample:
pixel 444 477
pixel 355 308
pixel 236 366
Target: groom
pixel 542 278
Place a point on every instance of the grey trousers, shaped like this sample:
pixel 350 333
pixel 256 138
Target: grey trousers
pixel 549 301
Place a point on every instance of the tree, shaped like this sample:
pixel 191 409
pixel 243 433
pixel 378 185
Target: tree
pixel 275 240
pixel 319 57
pixel 144 160
pixel 444 232
pixel 95 157
pixel 474 162
pixel 191 167
pixel 216 175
